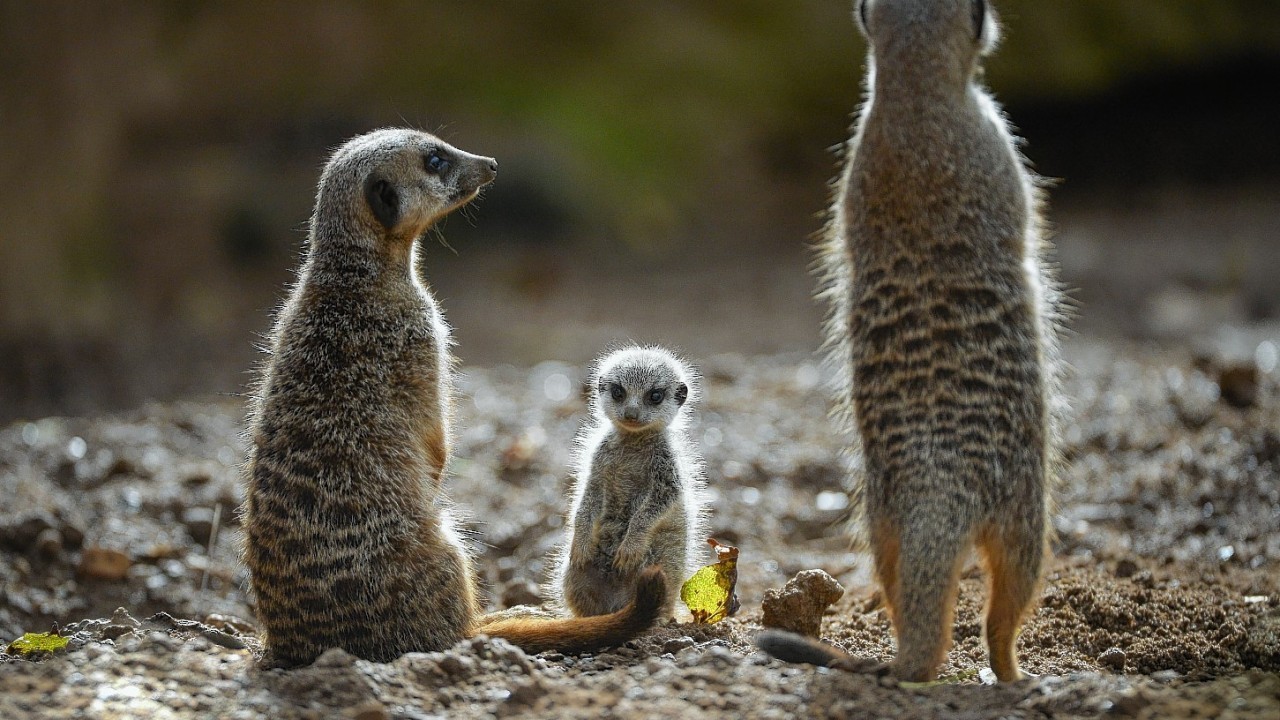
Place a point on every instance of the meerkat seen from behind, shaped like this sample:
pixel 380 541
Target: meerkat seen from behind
pixel 348 536
pixel 637 498
pixel 944 315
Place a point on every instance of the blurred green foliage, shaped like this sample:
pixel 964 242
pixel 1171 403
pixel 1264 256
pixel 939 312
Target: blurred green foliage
pixel 637 106
pixel 170 148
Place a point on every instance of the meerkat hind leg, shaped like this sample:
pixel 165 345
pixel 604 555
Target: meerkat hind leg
pixel 1013 569
pixel 884 546
pixel 923 598
pixel 595 591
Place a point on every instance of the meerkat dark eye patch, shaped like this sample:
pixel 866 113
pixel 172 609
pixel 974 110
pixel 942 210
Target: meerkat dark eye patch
pixel 383 200
pixel 617 392
pixel 979 19
pixel 437 162
pixel 682 393
pixel 656 396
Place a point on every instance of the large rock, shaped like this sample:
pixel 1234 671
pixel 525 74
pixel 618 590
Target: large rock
pixel 799 605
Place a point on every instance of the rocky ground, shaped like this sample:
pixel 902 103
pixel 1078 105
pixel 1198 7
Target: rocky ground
pixel 1163 599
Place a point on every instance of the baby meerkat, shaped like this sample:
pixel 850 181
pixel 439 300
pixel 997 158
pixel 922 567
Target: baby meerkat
pixel 348 536
pixel 944 321
pixel 637 497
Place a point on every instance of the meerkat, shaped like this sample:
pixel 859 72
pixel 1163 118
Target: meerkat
pixel 637 496
pixel 349 539
pixel 944 319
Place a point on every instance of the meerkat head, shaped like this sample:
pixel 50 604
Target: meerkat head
pixel 641 389
pixel 396 182
pixel 960 30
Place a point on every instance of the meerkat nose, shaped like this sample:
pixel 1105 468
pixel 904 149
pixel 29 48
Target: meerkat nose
pixel 631 414
pixel 493 166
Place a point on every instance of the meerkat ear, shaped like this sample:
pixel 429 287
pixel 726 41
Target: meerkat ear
pixel 384 201
pixel 682 393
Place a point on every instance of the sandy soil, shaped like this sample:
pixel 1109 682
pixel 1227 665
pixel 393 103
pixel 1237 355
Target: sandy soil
pixel 1163 599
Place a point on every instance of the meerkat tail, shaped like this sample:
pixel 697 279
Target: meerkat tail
pixel 581 634
pixel 793 648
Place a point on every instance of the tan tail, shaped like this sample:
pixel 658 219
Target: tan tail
pixel 793 648
pixel 581 634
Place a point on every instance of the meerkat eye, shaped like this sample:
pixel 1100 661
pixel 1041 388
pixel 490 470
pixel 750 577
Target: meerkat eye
pixel 436 163
pixel 617 392
pixel 656 396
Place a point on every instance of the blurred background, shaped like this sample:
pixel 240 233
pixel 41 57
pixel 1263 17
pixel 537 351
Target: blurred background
pixel 663 166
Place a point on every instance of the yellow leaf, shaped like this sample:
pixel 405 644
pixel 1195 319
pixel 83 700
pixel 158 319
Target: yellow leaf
pixel 709 594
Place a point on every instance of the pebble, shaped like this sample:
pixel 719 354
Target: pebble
pixel 104 564
pixel 49 544
pixel 1113 659
pixel 218 637
pixel 1126 568
pixel 675 645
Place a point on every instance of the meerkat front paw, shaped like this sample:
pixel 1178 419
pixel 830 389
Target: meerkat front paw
pixel 629 557
pixel 581 551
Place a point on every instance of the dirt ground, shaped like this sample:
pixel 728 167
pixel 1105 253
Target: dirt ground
pixel 1163 599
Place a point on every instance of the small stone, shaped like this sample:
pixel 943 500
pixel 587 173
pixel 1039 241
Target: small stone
pixel 1126 568
pixel 217 637
pixel 1112 659
pixel 104 564
pixel 121 616
pixel 199 524
pixel 49 544
pixel 520 592
pixel 798 607
pixel 230 624
pixel 526 693
pixel 675 645
pixel 454 665
pixel 113 631
pixel 1239 384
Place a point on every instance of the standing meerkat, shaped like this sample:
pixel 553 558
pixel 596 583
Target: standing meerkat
pixel 637 497
pixel 944 317
pixel 348 536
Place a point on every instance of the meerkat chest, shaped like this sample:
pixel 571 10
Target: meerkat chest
pixel 634 475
